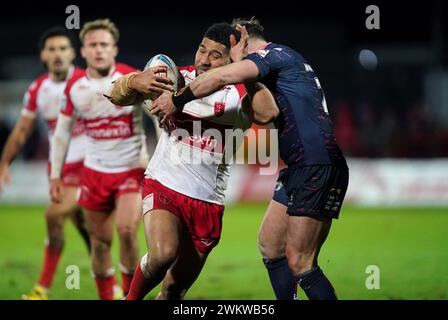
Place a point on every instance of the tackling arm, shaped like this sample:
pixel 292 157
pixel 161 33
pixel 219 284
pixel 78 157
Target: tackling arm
pixel 204 85
pixel 213 80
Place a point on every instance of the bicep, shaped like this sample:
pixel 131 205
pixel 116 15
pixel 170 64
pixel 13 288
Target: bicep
pixel 240 72
pixel 26 125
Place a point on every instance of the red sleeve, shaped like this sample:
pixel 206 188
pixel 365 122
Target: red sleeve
pixel 187 68
pixel 30 97
pixel 67 106
pixel 241 90
pixel 124 68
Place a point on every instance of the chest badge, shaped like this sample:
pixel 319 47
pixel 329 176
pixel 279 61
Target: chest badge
pixel 219 108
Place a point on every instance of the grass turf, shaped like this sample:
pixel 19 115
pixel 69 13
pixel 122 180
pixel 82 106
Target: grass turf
pixel 409 245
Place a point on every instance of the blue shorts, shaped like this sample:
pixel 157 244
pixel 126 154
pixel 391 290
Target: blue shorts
pixel 314 191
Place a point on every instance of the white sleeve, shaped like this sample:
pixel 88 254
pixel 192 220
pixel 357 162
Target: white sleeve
pixel 60 142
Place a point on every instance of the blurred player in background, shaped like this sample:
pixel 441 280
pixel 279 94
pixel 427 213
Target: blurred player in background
pixel 183 203
pixel 44 97
pixel 111 180
pixel 311 189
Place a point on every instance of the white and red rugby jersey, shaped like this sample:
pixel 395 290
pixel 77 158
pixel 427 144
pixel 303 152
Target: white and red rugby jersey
pixel 114 133
pixel 194 165
pixel 44 96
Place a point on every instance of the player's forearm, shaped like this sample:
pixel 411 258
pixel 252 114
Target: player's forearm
pixel 121 93
pixel 210 82
pixel 59 145
pixel 16 140
pixel 263 105
pixel 213 80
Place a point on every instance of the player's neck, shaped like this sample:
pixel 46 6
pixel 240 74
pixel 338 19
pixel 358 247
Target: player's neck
pixel 256 44
pixel 99 73
pixel 60 76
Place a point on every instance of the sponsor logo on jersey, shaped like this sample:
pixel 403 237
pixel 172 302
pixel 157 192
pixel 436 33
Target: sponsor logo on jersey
pixel 110 128
pixel 262 53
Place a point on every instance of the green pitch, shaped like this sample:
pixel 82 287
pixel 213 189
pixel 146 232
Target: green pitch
pixel 410 247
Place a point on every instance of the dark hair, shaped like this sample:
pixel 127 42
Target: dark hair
pixel 55 32
pixel 220 32
pixel 253 27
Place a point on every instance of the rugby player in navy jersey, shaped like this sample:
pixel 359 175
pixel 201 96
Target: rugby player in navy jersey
pixel 310 191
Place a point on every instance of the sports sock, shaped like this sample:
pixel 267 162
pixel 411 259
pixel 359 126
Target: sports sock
pixel 126 276
pixel 105 285
pixel 51 259
pixel 282 280
pixel 139 287
pixel 316 285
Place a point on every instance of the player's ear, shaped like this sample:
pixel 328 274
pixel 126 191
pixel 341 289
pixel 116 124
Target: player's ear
pixel 43 56
pixel 115 51
pixel 83 52
pixel 72 53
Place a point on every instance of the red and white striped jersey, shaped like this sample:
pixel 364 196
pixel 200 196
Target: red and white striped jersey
pixel 195 165
pixel 114 133
pixel 44 97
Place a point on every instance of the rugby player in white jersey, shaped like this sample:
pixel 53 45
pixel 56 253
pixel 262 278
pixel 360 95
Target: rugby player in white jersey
pixel 111 180
pixel 43 98
pixel 183 196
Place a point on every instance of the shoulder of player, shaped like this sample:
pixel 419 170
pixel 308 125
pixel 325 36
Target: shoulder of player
pixel 190 68
pixel 240 89
pixel 124 68
pixel 37 83
pixel 287 51
pixel 77 75
pixel 78 72
pixel 187 71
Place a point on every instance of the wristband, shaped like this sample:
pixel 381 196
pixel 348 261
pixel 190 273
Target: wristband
pixel 182 97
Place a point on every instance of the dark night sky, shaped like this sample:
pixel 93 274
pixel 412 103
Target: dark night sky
pixel 326 33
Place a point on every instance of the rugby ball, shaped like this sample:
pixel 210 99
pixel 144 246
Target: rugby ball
pixel 170 71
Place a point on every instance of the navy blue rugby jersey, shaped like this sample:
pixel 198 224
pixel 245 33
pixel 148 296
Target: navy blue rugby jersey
pixel 305 129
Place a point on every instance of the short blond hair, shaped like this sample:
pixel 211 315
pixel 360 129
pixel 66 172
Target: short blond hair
pixel 98 24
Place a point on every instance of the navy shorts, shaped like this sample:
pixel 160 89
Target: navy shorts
pixel 313 191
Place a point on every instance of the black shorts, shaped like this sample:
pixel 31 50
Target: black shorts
pixel 313 191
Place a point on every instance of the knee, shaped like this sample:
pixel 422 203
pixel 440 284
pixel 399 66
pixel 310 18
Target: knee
pixel 300 260
pixel 164 256
pixel 268 248
pixel 127 234
pixel 100 246
pixel 156 265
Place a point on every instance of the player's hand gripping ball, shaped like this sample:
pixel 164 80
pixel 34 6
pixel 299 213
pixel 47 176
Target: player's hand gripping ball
pixel 170 72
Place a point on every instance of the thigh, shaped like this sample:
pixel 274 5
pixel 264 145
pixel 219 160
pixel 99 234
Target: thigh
pixel 307 234
pixel 68 206
pixel 100 224
pixel 163 231
pixel 128 210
